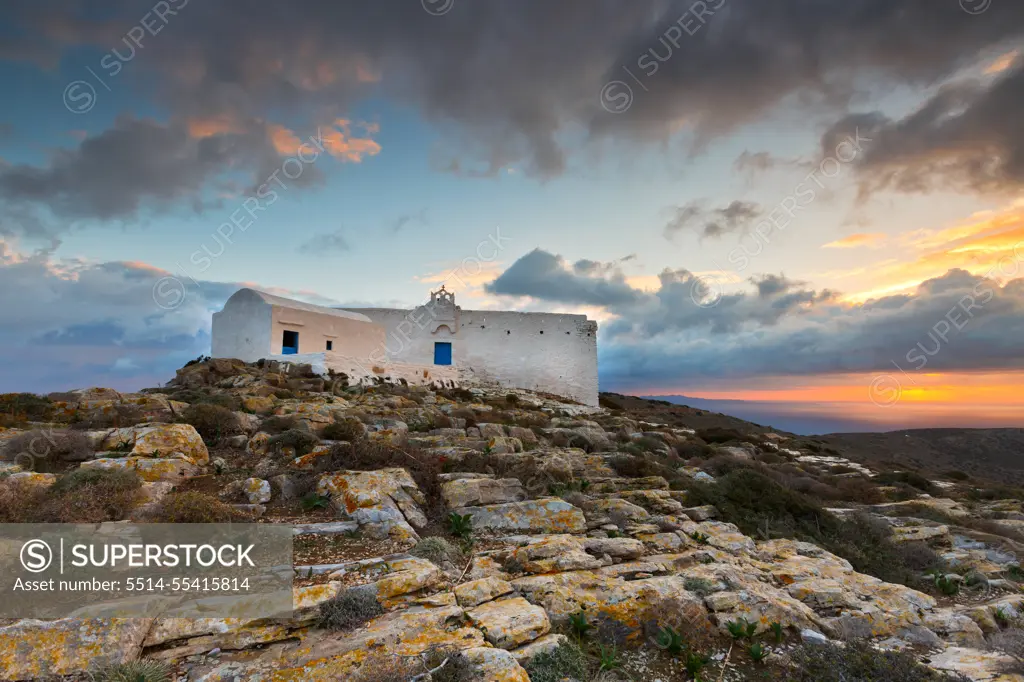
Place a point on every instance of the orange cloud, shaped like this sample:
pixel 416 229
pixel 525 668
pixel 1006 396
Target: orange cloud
pixel 200 128
pixel 1003 63
pixel 872 240
pixel 285 142
pixel 339 142
pixel 989 244
pixel 336 139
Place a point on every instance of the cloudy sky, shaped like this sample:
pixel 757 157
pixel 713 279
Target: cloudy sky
pixel 803 201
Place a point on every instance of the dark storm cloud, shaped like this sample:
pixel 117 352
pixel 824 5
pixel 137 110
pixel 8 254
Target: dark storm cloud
pixel 955 322
pixel 501 81
pixel 714 222
pixel 968 136
pixel 140 163
pixel 545 276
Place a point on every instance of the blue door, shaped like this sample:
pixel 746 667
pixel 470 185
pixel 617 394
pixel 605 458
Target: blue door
pixel 290 343
pixel 442 353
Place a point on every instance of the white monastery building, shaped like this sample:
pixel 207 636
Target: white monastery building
pixel 435 343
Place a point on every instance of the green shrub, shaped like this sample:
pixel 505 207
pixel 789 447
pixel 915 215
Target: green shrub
pixel 213 422
pixel 302 441
pixel 857 661
pixel 136 671
pixel 348 610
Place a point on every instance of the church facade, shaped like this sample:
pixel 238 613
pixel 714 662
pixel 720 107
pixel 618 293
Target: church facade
pixel 437 342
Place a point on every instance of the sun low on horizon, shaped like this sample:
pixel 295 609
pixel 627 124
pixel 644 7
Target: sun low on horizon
pixel 756 202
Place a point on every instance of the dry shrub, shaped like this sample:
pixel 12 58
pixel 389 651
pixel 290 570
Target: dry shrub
pixel 194 507
pixel 82 496
pixel 466 414
pixel 439 551
pixel 649 464
pixel 20 503
pixel 858 490
pixel 213 422
pixel 531 419
pixel 718 434
pixel 906 478
pixel 348 429
pixel 349 610
pixel 858 660
pixel 113 417
pixel 302 441
pixel 367 455
pixel 48 446
pixel 18 408
pixel 1011 643
pixel 384 668
pixel 279 424
pixel 206 396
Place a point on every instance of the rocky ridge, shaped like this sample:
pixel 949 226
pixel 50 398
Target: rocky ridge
pixel 562 512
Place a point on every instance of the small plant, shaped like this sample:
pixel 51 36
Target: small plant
pixel 946 584
pixel 708 559
pixel 460 525
pixel 741 629
pixel 348 610
pixel 670 640
pixel 695 662
pixel 1016 572
pixel 579 625
pixel 608 657
pixel 699 538
pixel 312 501
pixel 614 534
pixel 777 630
pixel 758 652
pixel 136 671
pixel 1001 617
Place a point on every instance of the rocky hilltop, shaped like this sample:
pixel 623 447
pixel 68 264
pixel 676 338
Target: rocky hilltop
pixel 485 534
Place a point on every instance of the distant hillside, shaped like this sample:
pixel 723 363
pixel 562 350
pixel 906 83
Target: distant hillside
pixel 989 454
pixel 793 417
pixel 995 454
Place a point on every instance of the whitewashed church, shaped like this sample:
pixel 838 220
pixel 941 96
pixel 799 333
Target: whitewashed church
pixel 438 342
